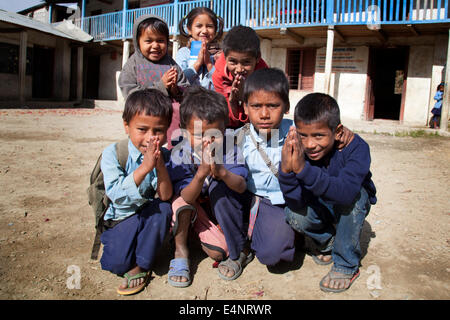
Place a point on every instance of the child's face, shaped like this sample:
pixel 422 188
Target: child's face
pixel 242 63
pixel 202 28
pixel 141 127
pixel 265 110
pixel 153 45
pixel 317 138
pixel 201 130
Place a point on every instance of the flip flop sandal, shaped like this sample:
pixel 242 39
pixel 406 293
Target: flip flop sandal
pixel 179 267
pixel 133 290
pixel 236 265
pixel 333 275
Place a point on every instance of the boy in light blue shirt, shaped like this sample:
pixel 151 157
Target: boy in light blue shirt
pixel 136 222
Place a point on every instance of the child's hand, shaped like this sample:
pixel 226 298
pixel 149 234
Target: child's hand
pixel 298 157
pixel 170 77
pixel 236 91
pixel 204 169
pixel 345 138
pixel 218 171
pixel 152 154
pixel 286 153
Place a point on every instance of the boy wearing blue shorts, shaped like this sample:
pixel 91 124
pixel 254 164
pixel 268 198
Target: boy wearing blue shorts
pixel 328 191
pixel 137 221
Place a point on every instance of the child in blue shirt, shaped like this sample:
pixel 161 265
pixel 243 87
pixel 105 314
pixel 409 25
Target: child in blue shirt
pixel 266 100
pixel 136 222
pixel 205 171
pixel 435 121
pixel 203 25
pixel 328 191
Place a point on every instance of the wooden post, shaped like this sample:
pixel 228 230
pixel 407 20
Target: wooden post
pixel 446 99
pixel 22 64
pixel 328 59
pixel 79 73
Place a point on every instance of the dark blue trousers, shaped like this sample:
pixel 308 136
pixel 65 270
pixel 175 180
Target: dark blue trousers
pixel 137 239
pixel 272 238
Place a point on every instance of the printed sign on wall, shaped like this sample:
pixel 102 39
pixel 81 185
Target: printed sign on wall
pixel 345 59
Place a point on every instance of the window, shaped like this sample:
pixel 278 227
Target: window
pixel 301 64
pixel 9 59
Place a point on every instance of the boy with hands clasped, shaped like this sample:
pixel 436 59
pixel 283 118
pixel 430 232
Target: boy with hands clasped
pixel 136 222
pixel 205 173
pixel 328 189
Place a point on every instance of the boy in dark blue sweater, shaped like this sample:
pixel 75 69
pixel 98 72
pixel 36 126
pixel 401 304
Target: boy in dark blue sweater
pixel 328 191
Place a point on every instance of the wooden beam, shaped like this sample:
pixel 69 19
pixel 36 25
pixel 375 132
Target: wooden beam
pixel 292 35
pixel 337 33
pixel 11 30
pixel 380 35
pixel 413 29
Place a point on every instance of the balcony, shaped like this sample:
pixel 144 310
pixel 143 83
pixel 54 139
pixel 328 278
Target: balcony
pixel 265 14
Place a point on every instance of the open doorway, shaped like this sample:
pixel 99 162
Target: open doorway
pixel 43 64
pixel 386 83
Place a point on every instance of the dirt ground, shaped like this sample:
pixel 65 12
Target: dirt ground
pixel 46 225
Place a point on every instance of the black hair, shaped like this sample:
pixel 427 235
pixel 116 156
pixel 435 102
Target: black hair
pixel 242 39
pixel 270 80
pixel 151 102
pixel 194 13
pixel 154 24
pixel 204 104
pixel 317 107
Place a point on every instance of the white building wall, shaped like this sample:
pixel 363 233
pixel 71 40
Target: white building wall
pixel 347 87
pixel 109 65
pixel 418 84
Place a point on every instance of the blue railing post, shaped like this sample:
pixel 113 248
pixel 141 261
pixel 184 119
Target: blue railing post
pixel 175 16
pixel 243 11
pixel 330 12
pixel 83 13
pixel 124 18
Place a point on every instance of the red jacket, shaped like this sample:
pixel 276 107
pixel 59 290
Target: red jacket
pixel 222 81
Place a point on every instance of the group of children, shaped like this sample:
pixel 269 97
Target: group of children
pixel 238 175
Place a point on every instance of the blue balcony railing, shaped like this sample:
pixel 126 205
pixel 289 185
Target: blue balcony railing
pixel 264 14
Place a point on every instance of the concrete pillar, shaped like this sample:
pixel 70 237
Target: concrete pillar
pixel 446 100
pixel 126 52
pixel 266 51
pixel 175 46
pixel 22 64
pixel 62 69
pixel 328 60
pixel 79 73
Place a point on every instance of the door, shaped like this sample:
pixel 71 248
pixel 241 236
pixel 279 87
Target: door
pixel 386 83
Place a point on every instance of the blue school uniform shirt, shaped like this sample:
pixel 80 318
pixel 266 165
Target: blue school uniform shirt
pixel 203 77
pixel 182 166
pixel 261 181
pixel 120 187
pixel 338 182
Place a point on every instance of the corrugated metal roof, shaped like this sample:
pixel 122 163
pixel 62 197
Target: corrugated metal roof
pixel 64 30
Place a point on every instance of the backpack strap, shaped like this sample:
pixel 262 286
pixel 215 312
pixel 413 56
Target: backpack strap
pixel 247 131
pixel 122 157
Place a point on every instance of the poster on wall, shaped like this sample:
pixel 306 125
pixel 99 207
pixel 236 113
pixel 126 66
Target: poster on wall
pixel 345 59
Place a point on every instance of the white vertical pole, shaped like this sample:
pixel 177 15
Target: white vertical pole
pixel 328 59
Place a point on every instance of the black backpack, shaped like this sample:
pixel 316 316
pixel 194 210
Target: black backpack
pixel 97 196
